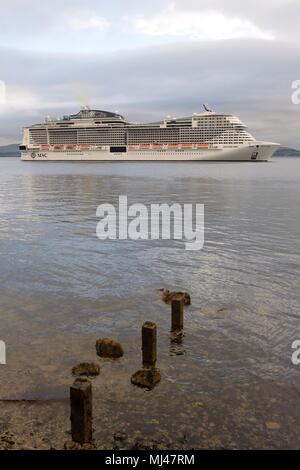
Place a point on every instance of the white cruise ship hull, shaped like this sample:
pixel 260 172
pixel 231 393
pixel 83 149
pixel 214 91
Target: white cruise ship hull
pixel 256 151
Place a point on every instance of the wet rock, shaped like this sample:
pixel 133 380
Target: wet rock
pixel 71 445
pixel 88 446
pixel 147 444
pixel 167 296
pixel 176 336
pixel 7 441
pixel 272 425
pixel 146 378
pixel 90 369
pixel 107 347
pixel 120 436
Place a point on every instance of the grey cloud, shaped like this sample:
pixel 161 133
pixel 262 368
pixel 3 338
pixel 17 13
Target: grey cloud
pixel 279 16
pixel 248 78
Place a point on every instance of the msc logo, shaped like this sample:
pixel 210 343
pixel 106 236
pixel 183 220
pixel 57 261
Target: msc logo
pixel 38 155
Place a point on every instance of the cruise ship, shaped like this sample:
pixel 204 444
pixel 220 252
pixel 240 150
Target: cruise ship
pixel 94 135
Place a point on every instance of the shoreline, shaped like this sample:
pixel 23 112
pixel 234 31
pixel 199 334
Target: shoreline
pixel 252 416
pixel 46 426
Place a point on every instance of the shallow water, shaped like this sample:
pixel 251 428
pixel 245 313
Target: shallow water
pixel 62 288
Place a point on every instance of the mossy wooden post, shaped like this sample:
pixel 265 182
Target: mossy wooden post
pixel 177 315
pixel 81 411
pixel 149 375
pixel 149 344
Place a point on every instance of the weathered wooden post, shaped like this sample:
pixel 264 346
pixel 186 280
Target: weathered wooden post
pixel 177 315
pixel 81 411
pixel 149 344
pixel 149 375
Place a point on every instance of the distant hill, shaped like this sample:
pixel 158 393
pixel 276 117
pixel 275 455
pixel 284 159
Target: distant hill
pixel 287 152
pixel 11 150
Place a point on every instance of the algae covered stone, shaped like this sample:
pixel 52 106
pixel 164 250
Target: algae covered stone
pixel 167 296
pixel 146 378
pixel 90 369
pixel 108 347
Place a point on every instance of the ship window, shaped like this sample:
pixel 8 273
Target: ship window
pixel 120 149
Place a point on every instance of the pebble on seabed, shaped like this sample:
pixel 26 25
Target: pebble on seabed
pixel 89 369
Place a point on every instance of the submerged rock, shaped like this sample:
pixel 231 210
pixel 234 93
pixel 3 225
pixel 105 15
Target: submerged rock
pixel 149 444
pixel 272 425
pixel 120 436
pixel 107 347
pixel 7 440
pixel 71 445
pixel 167 296
pixel 146 377
pixel 89 369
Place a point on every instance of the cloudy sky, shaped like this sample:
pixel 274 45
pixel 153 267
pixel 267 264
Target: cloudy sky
pixel 151 59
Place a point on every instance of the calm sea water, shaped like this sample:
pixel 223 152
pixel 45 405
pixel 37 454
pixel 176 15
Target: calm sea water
pixel 61 287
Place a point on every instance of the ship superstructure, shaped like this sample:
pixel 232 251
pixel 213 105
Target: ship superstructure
pixel 103 135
